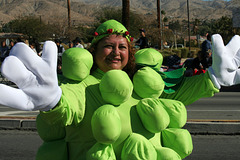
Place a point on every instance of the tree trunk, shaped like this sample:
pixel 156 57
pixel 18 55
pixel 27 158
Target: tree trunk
pixel 125 13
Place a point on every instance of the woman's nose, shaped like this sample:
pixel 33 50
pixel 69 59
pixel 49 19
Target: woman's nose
pixel 116 51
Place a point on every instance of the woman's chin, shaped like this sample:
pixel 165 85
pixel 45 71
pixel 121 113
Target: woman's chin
pixel 115 66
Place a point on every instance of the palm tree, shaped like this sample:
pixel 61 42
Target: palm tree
pixel 159 23
pixel 125 13
pixel 69 13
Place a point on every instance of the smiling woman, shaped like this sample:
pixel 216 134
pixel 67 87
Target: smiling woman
pixel 112 53
pixel 112 46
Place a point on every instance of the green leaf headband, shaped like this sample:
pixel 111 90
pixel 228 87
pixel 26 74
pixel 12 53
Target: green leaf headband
pixel 110 27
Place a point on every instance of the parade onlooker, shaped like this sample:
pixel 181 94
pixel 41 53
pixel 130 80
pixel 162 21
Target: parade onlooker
pixel 142 42
pixel 32 45
pixel 78 42
pixel 60 49
pixel 4 50
pixel 70 44
pixel 207 51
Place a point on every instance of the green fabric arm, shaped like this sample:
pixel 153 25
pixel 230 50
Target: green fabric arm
pixel 193 88
pixel 71 107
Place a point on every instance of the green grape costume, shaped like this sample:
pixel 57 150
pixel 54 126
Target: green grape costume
pixel 106 116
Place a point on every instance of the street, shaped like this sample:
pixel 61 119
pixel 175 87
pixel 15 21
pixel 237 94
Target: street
pixel 23 145
pixel 224 106
pixel 18 145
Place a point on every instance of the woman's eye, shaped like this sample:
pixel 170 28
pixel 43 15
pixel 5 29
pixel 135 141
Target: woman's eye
pixel 123 47
pixel 108 46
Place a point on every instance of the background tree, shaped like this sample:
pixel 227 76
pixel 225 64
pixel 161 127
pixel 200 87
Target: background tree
pixel 195 26
pixel 206 26
pixel 30 26
pixel 224 27
pixel 125 13
pixel 175 25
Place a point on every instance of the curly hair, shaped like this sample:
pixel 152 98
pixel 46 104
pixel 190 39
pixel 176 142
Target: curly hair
pixel 130 68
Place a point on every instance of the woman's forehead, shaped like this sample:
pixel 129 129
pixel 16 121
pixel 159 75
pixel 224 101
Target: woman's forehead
pixel 114 38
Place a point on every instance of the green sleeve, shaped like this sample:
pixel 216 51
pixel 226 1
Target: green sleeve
pixel 193 88
pixel 71 107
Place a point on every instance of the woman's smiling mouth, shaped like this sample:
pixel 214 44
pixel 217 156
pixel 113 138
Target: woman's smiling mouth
pixel 113 60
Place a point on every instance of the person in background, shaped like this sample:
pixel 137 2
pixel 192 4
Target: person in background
pixel 199 65
pixel 70 44
pixel 32 45
pixel 4 50
pixel 173 62
pixel 207 51
pixel 78 42
pixel 12 43
pixel 37 46
pixel 20 40
pixel 142 42
pixel 60 47
pixel 60 51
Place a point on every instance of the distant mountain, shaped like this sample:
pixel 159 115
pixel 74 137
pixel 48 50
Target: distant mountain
pixel 82 11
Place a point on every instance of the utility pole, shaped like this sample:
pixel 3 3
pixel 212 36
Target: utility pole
pixel 159 20
pixel 189 37
pixel 125 13
pixel 69 13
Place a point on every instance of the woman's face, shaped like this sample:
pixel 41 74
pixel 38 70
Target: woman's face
pixel 112 53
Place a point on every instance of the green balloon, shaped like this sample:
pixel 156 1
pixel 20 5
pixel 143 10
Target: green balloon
pixel 152 114
pixel 149 57
pixel 106 124
pixel 137 147
pixel 116 87
pixel 148 83
pixel 76 63
pixel 179 140
pixel 177 112
pixel 101 152
pixel 165 153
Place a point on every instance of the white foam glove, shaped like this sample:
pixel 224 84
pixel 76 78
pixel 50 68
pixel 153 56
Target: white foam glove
pixel 35 76
pixel 225 69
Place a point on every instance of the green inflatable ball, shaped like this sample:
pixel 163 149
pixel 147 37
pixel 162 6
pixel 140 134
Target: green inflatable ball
pixel 152 114
pixel 148 83
pixel 149 57
pixel 106 124
pixel 76 63
pixel 177 112
pixel 137 147
pixel 179 140
pixel 116 87
pixel 101 152
pixel 164 153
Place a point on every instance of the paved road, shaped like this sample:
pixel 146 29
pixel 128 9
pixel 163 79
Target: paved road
pixel 23 145
pixel 223 106
pixel 216 115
